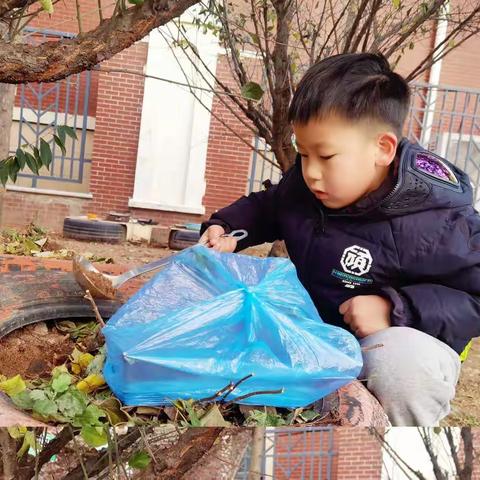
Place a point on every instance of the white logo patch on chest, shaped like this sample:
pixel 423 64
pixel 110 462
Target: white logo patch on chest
pixel 356 260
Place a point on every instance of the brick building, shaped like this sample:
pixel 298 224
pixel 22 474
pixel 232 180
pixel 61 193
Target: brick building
pixel 148 147
pixel 351 454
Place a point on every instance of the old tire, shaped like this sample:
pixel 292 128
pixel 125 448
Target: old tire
pixel 27 297
pixel 82 228
pixel 180 239
pixel 30 297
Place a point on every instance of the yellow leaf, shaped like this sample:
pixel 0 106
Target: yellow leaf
pixel 80 361
pixel 91 383
pixel 85 360
pixel 47 5
pixel 13 386
pixel 17 432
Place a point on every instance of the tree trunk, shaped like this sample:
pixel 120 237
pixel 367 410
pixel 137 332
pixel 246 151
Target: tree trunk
pixel 281 129
pixel 255 470
pixel 8 448
pixel 223 459
pixel 7 98
pixel 467 470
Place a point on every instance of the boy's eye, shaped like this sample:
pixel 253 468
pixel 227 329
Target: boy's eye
pixel 327 157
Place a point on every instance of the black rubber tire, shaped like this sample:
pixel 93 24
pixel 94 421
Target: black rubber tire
pixel 93 230
pixel 31 297
pixel 180 239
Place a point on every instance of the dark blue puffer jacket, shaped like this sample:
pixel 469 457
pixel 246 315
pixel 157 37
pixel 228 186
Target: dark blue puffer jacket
pixel 416 241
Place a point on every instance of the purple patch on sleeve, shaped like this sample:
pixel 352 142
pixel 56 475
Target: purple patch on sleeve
pixel 434 167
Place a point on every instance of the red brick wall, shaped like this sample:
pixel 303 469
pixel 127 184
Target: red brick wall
pixel 359 455
pixel 115 143
pixel 48 211
pixel 302 454
pixel 64 18
pixel 356 455
pixel 228 158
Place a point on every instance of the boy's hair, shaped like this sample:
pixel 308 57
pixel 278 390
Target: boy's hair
pixel 355 86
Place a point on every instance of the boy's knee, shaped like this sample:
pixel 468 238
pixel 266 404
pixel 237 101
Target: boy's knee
pixel 412 374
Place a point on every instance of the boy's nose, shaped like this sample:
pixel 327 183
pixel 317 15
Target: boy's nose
pixel 315 174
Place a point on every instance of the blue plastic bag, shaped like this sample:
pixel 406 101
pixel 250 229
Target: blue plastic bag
pixel 208 319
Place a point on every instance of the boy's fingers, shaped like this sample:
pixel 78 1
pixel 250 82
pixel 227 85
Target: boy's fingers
pixel 345 306
pixel 225 244
pixel 348 319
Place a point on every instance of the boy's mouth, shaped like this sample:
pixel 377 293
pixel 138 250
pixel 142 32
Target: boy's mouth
pixel 321 195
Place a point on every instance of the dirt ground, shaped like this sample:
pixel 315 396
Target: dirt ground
pixel 128 253
pixel 34 351
pixel 465 407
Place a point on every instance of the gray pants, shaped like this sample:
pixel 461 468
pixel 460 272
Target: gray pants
pixel 413 375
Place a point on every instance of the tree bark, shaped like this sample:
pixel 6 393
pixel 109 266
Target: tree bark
pixel 52 61
pixel 8 448
pixel 223 459
pixel 174 462
pixel 7 98
pixel 9 5
pixel 467 471
pixel 26 470
pixel 95 464
pixel 255 470
pixel 281 129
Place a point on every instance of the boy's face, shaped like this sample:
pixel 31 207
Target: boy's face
pixel 342 161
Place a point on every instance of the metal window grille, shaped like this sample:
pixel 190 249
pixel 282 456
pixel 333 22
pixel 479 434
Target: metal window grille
pixel 43 105
pixel 303 453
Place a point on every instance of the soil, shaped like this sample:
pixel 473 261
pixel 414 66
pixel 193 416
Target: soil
pixel 466 405
pixel 128 253
pixel 97 283
pixel 34 351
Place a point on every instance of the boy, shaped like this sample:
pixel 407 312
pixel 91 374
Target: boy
pixel 382 233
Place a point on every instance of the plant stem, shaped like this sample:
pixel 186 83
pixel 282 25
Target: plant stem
pixel 248 395
pixel 99 318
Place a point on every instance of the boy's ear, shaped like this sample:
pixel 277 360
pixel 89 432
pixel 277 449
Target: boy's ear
pixel 387 148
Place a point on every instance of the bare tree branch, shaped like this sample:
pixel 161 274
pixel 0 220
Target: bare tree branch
pixel 427 441
pixel 421 18
pixel 405 467
pixel 7 6
pixel 354 26
pixel 453 451
pixel 51 61
pixel 466 472
pixel 431 58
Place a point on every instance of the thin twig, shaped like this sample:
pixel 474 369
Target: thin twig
pixel 99 318
pixel 235 386
pixel 79 16
pixel 147 445
pixel 372 347
pixel 216 395
pixel 248 395
pixel 78 452
pixel 100 13
pixel 173 82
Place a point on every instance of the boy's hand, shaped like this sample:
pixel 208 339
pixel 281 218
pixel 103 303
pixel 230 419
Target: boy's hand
pixel 212 238
pixel 366 314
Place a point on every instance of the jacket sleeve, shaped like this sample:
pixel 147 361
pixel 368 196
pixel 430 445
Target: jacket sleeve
pixel 257 214
pixel 442 297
